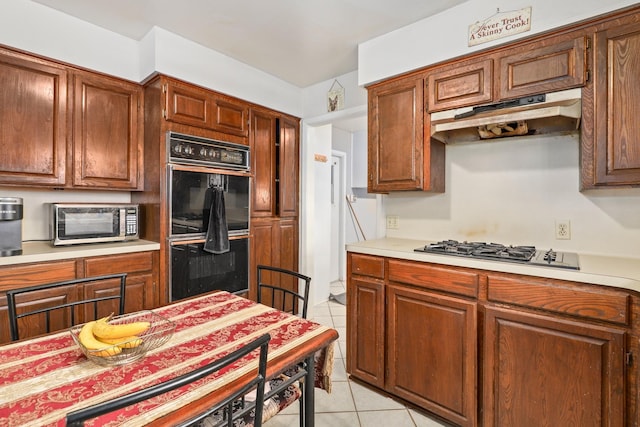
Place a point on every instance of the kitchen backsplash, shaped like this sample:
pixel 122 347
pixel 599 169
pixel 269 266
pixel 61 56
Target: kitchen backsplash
pixel 513 191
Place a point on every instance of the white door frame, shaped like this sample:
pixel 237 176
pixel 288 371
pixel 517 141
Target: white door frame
pixel 340 227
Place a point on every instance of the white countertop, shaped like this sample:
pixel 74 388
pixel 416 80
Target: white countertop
pixel 599 270
pixel 43 251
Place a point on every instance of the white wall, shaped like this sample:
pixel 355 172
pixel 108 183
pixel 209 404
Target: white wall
pixel 444 36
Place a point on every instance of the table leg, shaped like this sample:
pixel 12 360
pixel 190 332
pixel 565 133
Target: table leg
pixel 308 394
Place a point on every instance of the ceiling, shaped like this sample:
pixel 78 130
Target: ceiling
pixel 302 42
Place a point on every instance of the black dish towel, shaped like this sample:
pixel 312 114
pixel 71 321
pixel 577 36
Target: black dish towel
pixel 217 240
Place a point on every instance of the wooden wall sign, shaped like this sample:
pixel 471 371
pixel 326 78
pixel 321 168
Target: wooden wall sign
pixel 502 24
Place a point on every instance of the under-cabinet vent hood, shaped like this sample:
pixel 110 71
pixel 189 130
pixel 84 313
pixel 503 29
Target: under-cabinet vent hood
pixel 551 113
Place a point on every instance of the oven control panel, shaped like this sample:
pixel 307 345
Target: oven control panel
pixel 185 149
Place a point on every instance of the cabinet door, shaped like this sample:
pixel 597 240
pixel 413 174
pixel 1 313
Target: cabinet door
pixel 33 124
pixel 396 135
pixel 365 333
pixel 543 371
pixel 465 83
pixel 187 104
pixel 610 153
pixel 287 164
pixel 230 116
pixel 263 147
pixel 431 352
pixel 36 324
pixel 107 140
pixel 530 70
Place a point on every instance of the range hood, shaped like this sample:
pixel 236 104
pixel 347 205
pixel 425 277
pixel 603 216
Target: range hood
pixel 551 113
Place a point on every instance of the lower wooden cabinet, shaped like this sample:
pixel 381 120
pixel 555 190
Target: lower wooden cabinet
pixel 141 288
pixel 493 349
pixel 431 352
pixel 544 371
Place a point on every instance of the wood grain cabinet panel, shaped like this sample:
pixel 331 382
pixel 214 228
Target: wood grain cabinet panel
pixel 33 121
pixel 108 133
pixel 462 84
pixel 610 140
pixel 444 279
pixel 230 116
pixel 400 155
pixel 367 265
pixel 542 67
pixel 544 371
pixel 431 352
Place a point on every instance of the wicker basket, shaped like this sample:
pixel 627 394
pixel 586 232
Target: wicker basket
pixel 159 332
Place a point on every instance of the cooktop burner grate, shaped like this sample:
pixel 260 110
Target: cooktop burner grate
pixel 498 252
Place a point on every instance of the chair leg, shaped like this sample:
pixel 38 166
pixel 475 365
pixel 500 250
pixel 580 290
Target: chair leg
pixel 301 406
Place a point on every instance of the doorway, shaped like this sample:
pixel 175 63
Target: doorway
pixel 338 191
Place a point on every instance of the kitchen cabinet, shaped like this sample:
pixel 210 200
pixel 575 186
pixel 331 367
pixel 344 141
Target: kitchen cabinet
pixel 366 314
pixel 275 157
pixel 275 146
pixel 478 347
pixel 140 294
pixel 68 128
pixel 544 371
pixel 33 114
pixel 543 66
pixel 401 154
pixel 610 143
pixel 191 105
pixel 460 84
pixel 108 129
pixel 275 243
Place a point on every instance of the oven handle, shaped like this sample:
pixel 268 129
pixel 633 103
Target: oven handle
pixel 207 170
pixel 191 241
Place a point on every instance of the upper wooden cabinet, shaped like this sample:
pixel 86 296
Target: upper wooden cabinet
pixel 610 138
pixel 195 106
pixel 400 157
pixel 69 128
pixel 33 120
pixel 275 164
pixel 107 132
pixel 460 84
pixel 539 67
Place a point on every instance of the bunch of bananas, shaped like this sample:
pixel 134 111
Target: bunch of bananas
pixel 110 339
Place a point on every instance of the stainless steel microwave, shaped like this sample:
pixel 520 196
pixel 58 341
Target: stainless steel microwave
pixel 93 223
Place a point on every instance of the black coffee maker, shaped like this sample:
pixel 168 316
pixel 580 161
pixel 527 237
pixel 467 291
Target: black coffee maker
pixel 10 226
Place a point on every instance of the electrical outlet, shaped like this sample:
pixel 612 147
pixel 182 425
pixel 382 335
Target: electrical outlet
pixel 393 222
pixel 563 230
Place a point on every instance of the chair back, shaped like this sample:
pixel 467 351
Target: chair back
pixel 224 413
pixel 49 307
pixel 280 288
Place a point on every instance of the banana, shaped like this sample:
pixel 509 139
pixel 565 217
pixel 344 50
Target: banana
pixel 102 329
pixel 125 342
pixel 90 342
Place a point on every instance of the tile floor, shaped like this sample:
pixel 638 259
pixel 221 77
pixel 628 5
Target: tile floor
pixel 349 404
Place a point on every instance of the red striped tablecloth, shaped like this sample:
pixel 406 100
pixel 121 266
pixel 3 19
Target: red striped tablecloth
pixel 42 379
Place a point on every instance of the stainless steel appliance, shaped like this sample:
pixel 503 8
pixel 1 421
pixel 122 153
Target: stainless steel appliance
pixel 197 167
pixel 76 223
pixel 497 252
pixel 10 226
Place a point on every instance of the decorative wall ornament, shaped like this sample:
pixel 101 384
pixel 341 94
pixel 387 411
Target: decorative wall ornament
pixel 499 25
pixel 335 97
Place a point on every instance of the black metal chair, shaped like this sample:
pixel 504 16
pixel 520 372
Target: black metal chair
pixel 232 408
pixel 69 307
pixel 281 289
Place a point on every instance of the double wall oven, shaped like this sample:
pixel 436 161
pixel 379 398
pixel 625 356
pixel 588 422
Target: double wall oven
pixel 197 167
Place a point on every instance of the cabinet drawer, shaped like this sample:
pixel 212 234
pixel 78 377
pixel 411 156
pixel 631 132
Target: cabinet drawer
pixel 22 276
pixel 427 276
pixel 126 263
pixel 561 297
pixel 367 265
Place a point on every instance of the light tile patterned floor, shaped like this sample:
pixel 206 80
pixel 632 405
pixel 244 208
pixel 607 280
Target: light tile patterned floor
pixel 350 404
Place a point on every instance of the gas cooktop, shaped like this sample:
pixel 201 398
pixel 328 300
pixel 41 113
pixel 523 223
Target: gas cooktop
pixel 497 252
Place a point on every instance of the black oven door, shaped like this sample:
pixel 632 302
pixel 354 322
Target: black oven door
pixel 190 196
pixel 195 271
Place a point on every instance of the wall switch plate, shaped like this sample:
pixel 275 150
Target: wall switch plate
pixel 563 230
pixel 393 222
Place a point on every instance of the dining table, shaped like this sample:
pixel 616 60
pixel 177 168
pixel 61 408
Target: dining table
pixel 45 377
